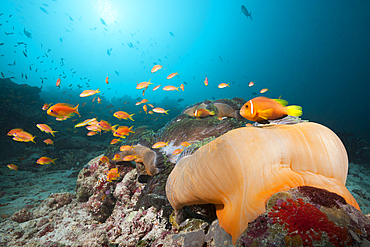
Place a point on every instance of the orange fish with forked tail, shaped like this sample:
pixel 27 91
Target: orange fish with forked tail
pixel 45 160
pixel 262 109
pixel 172 75
pixel 62 110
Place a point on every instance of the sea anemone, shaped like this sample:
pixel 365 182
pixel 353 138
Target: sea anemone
pixel 241 169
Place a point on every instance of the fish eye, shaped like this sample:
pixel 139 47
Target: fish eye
pixel 51 110
pixel 246 106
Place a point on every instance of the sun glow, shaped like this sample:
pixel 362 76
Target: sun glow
pixel 106 11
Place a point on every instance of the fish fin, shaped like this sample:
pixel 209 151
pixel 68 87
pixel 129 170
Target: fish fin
pixel 76 110
pixel 97 91
pixel 33 139
pixel 166 112
pixel 131 117
pixel 212 113
pixel 52 132
pixel 265 114
pixel 282 102
pixel 54 160
pixel 294 110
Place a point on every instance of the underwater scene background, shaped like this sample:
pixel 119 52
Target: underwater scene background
pixel 314 54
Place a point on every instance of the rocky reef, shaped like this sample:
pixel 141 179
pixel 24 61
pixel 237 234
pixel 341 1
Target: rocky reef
pixel 134 209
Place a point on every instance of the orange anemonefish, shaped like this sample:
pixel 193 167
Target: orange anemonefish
pixel 261 109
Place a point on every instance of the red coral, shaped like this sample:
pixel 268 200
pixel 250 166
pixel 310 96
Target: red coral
pixel 305 220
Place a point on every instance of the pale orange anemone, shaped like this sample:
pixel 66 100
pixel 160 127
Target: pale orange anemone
pixel 241 169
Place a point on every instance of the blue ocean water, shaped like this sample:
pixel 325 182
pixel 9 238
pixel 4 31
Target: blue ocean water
pixel 314 54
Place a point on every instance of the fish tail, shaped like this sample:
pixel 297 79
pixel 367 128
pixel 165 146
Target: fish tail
pixel 53 161
pixel 212 113
pixel 33 139
pixel 52 132
pixel 177 89
pixel 166 112
pixel 131 117
pixel 294 110
pixel 76 110
pixel 114 127
pixel 97 90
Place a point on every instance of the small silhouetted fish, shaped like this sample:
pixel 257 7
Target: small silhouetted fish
pixel 44 10
pixel 71 18
pixel 103 22
pixel 213 98
pixel 117 73
pixel 220 58
pixel 193 77
pixel 45 5
pixel 93 29
pixel 254 93
pixel 109 50
pixel 185 83
pixel 245 76
pixel 28 34
pixel 49 50
pixel 179 100
pixel 7 33
pixel 159 60
pixel 25 54
pixel 26 76
pixel 172 34
pixel 2 43
pixel 20 43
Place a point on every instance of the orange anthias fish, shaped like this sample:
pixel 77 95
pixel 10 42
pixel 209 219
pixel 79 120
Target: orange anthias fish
pixel 23 136
pixel 123 115
pixel 170 88
pixel 63 110
pixel 88 93
pixel 251 84
pixel 144 101
pixel 156 87
pixel 160 110
pixel 182 87
pixel 125 148
pixel 145 108
pixel 45 161
pixel 13 131
pixel 262 109
pixel 160 144
pixel 185 144
pixel 58 83
pixel 172 75
pixel 49 142
pixel 122 131
pixel 114 141
pixel 129 157
pixel 99 100
pixel 104 125
pixel 200 113
pixel 177 151
pixel 13 167
pixel 104 160
pixel 151 105
pixel 46 128
pixel 206 81
pixel 264 90
pixel 106 80
pixel 116 157
pixel 46 106
pixel 223 85
pixel 156 68
pixel 143 84
pixel 113 174
pixel 92 133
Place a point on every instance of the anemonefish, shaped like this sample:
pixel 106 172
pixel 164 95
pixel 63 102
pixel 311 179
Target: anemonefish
pixel 262 109
pixel 200 113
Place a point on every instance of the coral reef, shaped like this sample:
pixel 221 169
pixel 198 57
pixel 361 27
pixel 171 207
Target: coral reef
pixel 135 209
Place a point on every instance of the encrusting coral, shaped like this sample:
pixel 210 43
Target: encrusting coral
pixel 239 171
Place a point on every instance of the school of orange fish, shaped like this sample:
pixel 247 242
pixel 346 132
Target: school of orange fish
pixel 63 111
